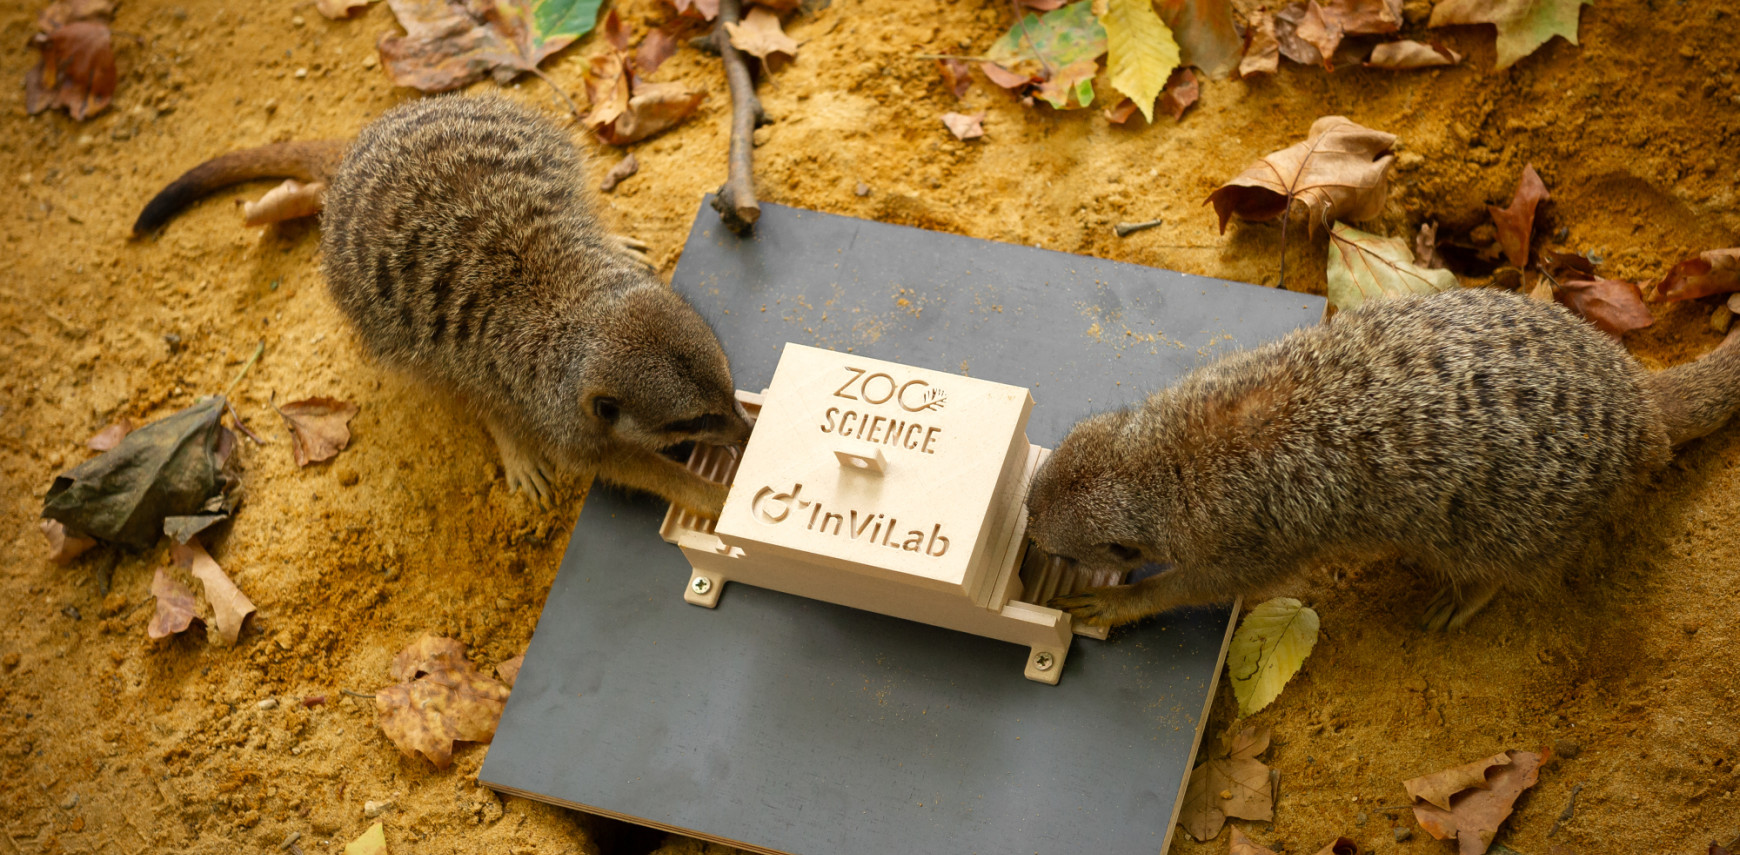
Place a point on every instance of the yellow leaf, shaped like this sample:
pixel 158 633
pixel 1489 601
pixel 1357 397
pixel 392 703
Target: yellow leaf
pixel 1365 267
pixel 372 842
pixel 1140 51
pixel 1268 649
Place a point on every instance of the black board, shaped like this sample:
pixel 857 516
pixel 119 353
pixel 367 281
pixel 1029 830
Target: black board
pixel 780 724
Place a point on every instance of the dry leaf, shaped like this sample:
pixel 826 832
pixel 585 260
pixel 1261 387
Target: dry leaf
pixel 1614 305
pixel 447 45
pixel 619 173
pixel 1426 247
pixel 1365 267
pixel 1262 51
pixel 1287 23
pixel 288 201
pixel 1566 265
pixel 760 35
pixel 1325 24
pixel 1340 172
pixel 1475 814
pixel 956 76
pixel 77 71
pixel 1207 33
pixel 509 670
pixel 706 9
pixel 1242 845
pixel 445 701
pixel 1438 787
pixel 1408 54
pixel 1070 87
pixel 1041 5
pixel 1141 55
pixel 1181 91
pixel 1005 78
pixel 111 436
pixel 338 10
pixel 1320 32
pixel 1517 222
pixel 64 546
pixel 230 607
pixel 1716 271
pixel 965 127
pixel 1523 25
pixel 1340 846
pixel 175 611
pixel 1120 112
pixel 626 107
pixel 654 107
pixel 319 427
pixel 1232 784
pixel 657 47
pixel 372 842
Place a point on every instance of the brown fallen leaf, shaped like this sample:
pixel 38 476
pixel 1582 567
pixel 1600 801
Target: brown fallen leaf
pixel 1426 247
pixel 625 106
pixel 1340 172
pixel 77 71
pixel 706 10
pixel 1715 271
pixel 1063 90
pixel 442 701
pixel 1408 54
pixel 760 35
pixel 1321 32
pixel 230 607
pixel 111 436
pixel 957 76
pixel 288 201
pixel 619 173
pixel 1523 25
pixel 1614 305
pixel 1121 112
pixel 447 45
pixel 338 10
pixel 319 427
pixel 1517 222
pixel 1340 846
pixel 64 546
pixel 1324 25
pixel 1287 22
pixel 1262 51
pixel 175 609
pixel 1005 78
pixel 1231 784
pixel 372 842
pixel 1438 787
pixel 1242 845
pixel 1181 91
pixel 964 126
pixel 509 669
pixel 1566 265
pixel 1041 5
pixel 1475 814
pixel 658 46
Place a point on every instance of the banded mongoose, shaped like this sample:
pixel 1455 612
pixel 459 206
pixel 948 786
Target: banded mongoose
pixel 1480 434
pixel 459 240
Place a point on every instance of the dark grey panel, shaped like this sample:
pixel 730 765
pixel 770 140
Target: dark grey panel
pixel 790 725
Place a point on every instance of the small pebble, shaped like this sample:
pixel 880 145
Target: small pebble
pixel 862 189
pixel 370 61
pixel 1734 303
pixel 1566 748
pixel 301 73
pixel 268 704
pixel 374 809
pixel 71 802
pixel 1403 835
pixel 298 20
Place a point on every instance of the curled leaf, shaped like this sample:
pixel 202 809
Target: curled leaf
pixel 964 126
pixel 1365 267
pixel 1262 51
pixel 1408 54
pixel 230 607
pixel 445 700
pixel 1472 816
pixel 1517 223
pixel 319 427
pixel 288 201
pixel 1340 172
pixel 1267 650
pixel 1716 271
pixel 175 610
pixel 1614 305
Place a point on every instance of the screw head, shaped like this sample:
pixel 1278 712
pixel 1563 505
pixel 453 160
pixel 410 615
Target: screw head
pixel 1044 661
pixel 701 585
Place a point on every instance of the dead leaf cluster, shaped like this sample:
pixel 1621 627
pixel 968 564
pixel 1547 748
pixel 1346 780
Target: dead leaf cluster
pixel 441 699
pixel 1340 172
pixel 176 607
pixel 626 106
pixel 77 70
pixel 447 45
pixel 1232 783
pixel 1469 803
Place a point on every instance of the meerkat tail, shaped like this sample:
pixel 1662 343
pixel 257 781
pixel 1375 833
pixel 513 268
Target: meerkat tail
pixel 1699 397
pixel 303 161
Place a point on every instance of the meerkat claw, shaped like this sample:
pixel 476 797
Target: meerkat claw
pixel 633 247
pixel 1087 607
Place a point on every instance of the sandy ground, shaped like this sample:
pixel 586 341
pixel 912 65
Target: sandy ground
pixel 110 743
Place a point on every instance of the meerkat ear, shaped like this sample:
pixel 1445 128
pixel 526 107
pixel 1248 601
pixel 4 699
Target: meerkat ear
pixel 606 408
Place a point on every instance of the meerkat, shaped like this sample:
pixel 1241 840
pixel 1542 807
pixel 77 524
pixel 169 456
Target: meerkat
pixel 459 241
pixel 1482 435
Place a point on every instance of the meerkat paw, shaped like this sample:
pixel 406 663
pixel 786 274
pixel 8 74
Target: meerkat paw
pixel 1453 609
pixel 710 502
pixel 527 470
pixel 632 247
pixel 1109 606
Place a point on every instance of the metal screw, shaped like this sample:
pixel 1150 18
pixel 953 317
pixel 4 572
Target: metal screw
pixel 1044 661
pixel 701 585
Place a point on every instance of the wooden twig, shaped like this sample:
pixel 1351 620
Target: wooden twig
pixel 735 201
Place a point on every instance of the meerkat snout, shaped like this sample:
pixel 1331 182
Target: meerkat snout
pixel 1081 509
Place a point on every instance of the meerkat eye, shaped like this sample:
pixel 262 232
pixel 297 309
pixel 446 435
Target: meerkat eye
pixel 607 409
pixel 1122 552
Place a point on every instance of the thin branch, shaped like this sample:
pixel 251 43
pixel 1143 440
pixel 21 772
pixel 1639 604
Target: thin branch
pixel 572 107
pixel 1021 21
pixel 258 349
pixel 736 199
